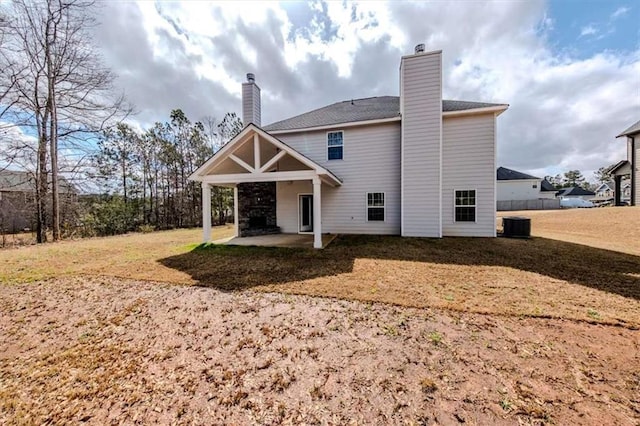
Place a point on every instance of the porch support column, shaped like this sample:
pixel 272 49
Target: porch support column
pixel 617 191
pixel 206 212
pixel 317 213
pixel 236 219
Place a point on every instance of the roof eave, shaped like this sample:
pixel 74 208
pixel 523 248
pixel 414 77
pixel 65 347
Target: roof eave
pixel 628 134
pixel 337 125
pixel 497 110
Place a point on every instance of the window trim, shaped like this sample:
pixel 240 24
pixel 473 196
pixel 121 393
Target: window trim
pixel 327 145
pixel 475 206
pixel 384 206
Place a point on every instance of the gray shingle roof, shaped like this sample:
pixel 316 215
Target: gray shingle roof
pixel 575 190
pixel 635 128
pixel 449 105
pixel 365 109
pixel 21 181
pixel 507 174
pixel 546 186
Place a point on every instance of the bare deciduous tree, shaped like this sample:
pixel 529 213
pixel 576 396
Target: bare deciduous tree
pixel 60 82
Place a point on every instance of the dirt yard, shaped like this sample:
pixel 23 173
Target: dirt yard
pixel 109 351
pixel 155 328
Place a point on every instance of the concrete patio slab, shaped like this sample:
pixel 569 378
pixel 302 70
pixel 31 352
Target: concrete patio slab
pixel 277 240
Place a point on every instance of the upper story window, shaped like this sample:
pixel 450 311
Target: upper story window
pixel 465 206
pixel 335 145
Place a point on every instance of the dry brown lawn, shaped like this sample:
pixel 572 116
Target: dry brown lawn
pixel 611 228
pixel 124 255
pixel 541 277
pixel 155 328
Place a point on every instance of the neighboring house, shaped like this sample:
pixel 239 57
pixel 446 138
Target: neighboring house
pixel 18 200
pixel 516 186
pixel 605 191
pixel 575 192
pixel 413 165
pixel 630 167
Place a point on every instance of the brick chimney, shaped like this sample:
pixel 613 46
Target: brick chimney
pixel 251 101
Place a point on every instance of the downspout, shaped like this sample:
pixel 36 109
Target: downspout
pixel 633 171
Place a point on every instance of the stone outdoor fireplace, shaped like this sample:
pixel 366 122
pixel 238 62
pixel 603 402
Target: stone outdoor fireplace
pixel 257 209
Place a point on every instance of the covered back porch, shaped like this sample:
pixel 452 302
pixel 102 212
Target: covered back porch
pixel 253 164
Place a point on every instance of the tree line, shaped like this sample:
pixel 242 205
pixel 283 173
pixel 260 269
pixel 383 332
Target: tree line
pixel 573 178
pixel 144 175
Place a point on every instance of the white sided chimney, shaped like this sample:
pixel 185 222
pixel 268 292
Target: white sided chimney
pixel 251 101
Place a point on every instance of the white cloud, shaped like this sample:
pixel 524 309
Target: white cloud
pixel 564 111
pixel 17 148
pixel 588 30
pixel 621 11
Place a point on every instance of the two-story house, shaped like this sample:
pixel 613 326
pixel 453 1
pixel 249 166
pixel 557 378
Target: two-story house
pixel 629 168
pixel 413 165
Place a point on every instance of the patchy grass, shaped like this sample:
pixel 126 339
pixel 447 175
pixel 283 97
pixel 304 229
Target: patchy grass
pixel 123 255
pixel 107 350
pixel 101 347
pixel 539 277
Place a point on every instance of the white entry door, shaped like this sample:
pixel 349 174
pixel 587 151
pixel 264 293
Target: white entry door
pixel 306 213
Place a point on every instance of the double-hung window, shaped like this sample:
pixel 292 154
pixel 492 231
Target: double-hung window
pixel 335 145
pixel 375 206
pixel 465 205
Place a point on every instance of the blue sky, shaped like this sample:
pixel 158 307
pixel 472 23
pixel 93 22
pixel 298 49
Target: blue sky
pixel 582 28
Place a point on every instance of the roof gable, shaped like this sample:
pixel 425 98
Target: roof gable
pixel 604 186
pixel 239 156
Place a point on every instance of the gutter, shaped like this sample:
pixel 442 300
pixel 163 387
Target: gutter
pixel 474 111
pixel 335 126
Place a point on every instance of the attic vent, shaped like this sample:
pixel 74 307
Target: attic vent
pixel 251 77
pixel 419 48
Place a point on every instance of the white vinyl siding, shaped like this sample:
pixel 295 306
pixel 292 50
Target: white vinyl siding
pixel 469 163
pixel 421 106
pixel 519 189
pixel 287 204
pixel 373 165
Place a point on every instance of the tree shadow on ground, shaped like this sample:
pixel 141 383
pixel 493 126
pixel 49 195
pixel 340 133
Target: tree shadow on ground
pixel 235 268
